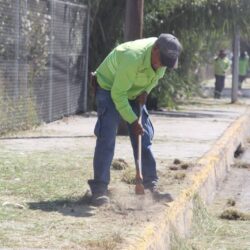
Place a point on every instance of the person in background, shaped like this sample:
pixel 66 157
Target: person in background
pixel 123 81
pixel 221 65
pixel 243 68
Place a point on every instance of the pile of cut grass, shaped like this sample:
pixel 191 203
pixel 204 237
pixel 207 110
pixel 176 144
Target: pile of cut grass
pixel 241 164
pixel 234 214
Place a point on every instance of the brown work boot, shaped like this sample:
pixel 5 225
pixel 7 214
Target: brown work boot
pixel 160 196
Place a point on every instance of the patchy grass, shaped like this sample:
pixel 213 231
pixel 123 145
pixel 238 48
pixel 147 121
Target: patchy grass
pixel 41 175
pixel 44 203
pixel 210 232
pixel 41 195
pixel 18 114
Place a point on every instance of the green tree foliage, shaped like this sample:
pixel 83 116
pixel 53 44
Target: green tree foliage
pixel 106 28
pixel 203 27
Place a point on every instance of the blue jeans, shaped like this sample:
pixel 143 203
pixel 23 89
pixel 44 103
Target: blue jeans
pixel 105 131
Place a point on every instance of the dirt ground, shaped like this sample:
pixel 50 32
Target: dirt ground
pixel 44 175
pixel 44 183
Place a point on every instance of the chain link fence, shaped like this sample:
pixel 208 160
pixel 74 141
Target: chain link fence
pixel 43 61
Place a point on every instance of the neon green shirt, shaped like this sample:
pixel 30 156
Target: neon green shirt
pixel 127 72
pixel 243 66
pixel 221 65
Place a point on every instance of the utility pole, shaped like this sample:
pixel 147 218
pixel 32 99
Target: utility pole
pixel 133 31
pixel 235 76
pixel 134 20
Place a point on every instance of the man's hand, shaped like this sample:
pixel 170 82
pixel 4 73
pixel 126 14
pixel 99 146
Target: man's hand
pixel 137 129
pixel 142 98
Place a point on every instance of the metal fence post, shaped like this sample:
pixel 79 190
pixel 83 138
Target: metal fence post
pixel 25 58
pixel 68 61
pixel 85 100
pixel 51 63
pixel 17 50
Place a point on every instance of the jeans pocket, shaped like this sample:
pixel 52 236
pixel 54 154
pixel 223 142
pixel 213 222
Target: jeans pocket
pixel 98 126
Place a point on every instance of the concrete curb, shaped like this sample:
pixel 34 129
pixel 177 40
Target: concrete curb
pixel 211 169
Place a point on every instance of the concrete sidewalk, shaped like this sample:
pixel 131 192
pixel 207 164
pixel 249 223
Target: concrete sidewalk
pixel 186 134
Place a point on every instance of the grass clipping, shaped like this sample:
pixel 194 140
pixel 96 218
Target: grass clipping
pixel 129 176
pixel 234 214
pixel 119 164
pixel 241 164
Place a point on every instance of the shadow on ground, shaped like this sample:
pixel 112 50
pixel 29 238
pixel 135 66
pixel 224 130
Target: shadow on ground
pixel 46 137
pixel 77 207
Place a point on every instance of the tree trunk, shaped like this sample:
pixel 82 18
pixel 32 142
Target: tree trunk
pixel 134 20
